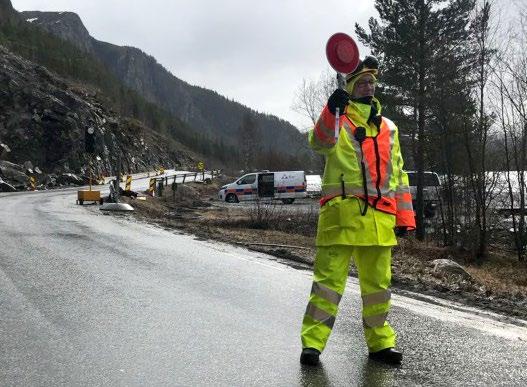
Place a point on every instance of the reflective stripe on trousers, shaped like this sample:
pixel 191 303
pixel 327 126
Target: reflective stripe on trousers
pixel 329 281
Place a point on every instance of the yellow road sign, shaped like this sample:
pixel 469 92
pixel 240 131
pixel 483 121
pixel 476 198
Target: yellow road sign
pixel 201 166
pixel 152 186
pixel 32 183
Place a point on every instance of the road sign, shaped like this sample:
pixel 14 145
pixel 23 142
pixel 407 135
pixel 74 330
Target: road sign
pixel 152 186
pixel 32 183
pixel 201 166
pixel 89 140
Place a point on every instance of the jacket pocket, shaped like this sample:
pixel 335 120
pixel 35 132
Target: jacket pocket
pixel 329 217
pixel 350 212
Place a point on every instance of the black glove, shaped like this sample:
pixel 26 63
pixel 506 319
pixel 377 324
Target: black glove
pixel 339 99
pixel 401 231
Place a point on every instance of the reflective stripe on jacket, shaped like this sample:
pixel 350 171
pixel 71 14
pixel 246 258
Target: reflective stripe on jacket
pixel 387 183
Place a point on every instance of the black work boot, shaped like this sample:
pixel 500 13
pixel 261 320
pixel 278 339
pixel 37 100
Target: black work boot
pixel 388 356
pixel 309 356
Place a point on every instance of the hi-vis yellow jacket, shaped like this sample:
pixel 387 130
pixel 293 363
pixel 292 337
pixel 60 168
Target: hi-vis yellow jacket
pixel 340 220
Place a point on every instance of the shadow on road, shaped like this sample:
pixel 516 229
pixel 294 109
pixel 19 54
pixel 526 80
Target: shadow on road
pixel 371 374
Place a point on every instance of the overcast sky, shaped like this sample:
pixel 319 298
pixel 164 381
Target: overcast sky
pixel 256 53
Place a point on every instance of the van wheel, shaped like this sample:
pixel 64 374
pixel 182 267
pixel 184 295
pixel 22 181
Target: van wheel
pixel 231 198
pixel 288 201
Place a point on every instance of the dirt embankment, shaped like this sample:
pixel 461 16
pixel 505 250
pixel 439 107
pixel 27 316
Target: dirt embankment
pixel 499 285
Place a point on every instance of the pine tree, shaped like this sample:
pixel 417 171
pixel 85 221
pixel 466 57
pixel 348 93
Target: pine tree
pixel 411 38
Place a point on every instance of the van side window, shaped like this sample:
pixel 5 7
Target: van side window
pixel 249 179
pixel 267 178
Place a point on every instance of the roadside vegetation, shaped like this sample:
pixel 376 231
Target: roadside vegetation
pixel 453 78
pixel 285 231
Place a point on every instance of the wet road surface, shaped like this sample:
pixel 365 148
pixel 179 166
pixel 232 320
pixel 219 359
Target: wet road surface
pixel 94 299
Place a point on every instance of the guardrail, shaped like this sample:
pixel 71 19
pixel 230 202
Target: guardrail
pixel 156 182
pixel 159 182
pixel 188 177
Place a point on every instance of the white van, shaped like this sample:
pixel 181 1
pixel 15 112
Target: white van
pixel 286 186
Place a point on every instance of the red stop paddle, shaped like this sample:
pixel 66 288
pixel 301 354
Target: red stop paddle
pixel 343 55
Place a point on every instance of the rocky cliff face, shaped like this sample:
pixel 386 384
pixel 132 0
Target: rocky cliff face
pixel 7 13
pixel 43 119
pixel 198 107
pixel 67 26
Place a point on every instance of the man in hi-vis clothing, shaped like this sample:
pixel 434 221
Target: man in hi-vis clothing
pixel 366 201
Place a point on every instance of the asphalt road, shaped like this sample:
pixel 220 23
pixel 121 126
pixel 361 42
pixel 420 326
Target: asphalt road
pixel 101 300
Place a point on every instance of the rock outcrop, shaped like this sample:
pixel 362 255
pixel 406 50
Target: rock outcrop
pixel 68 26
pixel 449 267
pixel 6 187
pixel 7 13
pixel 13 174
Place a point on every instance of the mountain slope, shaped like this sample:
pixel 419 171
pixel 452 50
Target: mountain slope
pixel 43 116
pixel 43 119
pixel 200 108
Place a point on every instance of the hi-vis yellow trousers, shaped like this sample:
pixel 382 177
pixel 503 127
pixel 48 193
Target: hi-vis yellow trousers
pixel 373 265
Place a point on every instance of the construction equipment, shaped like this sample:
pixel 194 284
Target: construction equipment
pixel 90 195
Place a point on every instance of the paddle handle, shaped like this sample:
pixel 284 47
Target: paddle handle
pixel 337 124
pixel 340 84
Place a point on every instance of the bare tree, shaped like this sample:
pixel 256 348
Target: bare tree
pixel 311 96
pixel 511 86
pixel 477 134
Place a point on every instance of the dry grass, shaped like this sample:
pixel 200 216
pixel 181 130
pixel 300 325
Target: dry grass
pixel 502 276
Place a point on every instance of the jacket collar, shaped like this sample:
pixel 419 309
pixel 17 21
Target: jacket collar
pixel 359 113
